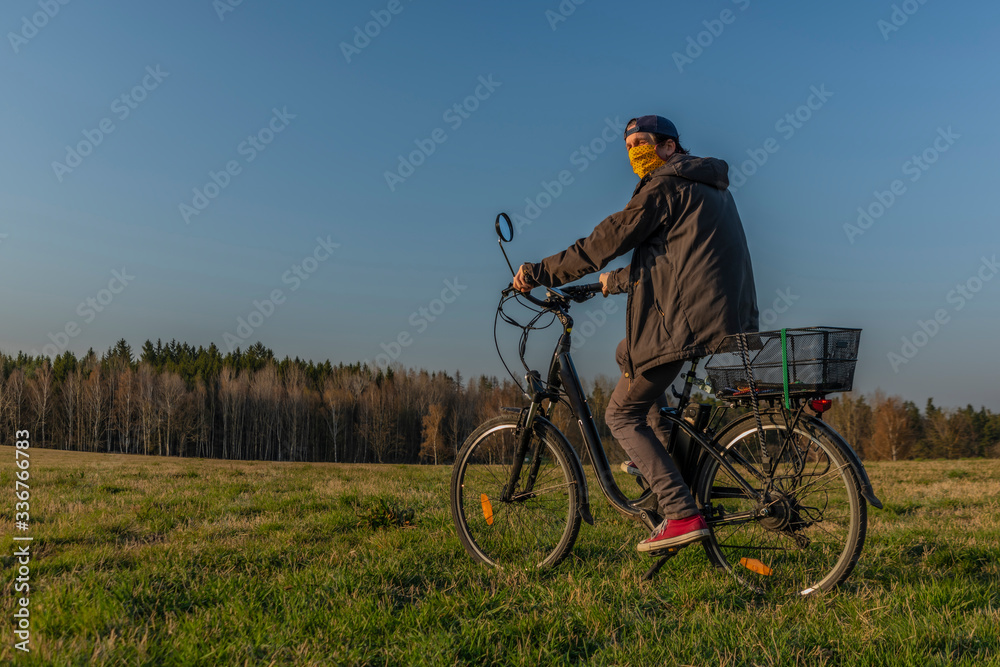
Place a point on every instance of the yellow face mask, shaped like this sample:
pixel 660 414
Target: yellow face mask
pixel 644 159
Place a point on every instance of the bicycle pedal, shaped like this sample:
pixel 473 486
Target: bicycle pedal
pixel 648 502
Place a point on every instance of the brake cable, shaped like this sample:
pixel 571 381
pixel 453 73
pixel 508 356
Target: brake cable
pixel 525 329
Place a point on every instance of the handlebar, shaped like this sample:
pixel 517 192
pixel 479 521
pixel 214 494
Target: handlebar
pixel 557 302
pixel 578 293
pixel 581 293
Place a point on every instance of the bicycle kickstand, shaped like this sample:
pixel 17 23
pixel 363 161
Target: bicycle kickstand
pixel 664 556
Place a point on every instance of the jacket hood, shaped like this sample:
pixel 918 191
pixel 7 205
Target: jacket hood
pixel 707 170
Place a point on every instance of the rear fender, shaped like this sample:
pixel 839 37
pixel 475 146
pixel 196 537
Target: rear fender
pixel 816 427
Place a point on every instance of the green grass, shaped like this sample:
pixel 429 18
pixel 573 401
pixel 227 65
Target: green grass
pixel 151 561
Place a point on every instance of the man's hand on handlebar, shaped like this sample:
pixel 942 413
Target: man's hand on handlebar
pixel 605 277
pixel 522 281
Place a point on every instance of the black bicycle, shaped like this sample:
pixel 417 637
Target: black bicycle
pixel 782 492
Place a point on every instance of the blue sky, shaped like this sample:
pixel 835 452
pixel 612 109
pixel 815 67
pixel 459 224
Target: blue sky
pixel 275 125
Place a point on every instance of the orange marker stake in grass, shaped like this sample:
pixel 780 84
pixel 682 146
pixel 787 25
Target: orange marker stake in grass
pixel 487 508
pixel 755 565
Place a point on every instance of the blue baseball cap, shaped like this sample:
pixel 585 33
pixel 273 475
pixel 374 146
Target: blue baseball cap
pixel 653 125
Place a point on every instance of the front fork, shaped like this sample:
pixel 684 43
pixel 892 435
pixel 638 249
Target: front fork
pixel 525 426
pixel 522 433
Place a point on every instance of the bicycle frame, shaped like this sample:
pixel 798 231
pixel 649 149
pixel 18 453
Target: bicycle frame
pixel 563 378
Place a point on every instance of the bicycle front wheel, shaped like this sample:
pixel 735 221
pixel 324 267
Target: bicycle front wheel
pixel 536 526
pixel 803 527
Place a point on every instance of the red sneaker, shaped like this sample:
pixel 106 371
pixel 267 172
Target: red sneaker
pixel 630 468
pixel 676 533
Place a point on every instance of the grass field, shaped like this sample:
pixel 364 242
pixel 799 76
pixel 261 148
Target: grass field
pixel 154 561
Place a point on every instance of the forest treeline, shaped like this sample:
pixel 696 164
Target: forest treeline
pixel 177 400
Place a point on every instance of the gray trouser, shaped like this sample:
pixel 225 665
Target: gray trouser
pixel 633 416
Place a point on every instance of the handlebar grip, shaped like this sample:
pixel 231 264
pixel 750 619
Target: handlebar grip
pixel 583 292
pixel 524 295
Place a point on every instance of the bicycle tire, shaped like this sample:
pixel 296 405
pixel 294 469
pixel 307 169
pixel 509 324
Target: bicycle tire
pixel 533 532
pixel 816 519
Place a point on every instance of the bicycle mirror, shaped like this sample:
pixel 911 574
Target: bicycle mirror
pixel 500 229
pixel 509 236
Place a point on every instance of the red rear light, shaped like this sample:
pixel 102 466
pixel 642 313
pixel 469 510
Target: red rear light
pixel 821 405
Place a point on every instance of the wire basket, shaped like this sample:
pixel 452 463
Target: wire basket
pixel 810 361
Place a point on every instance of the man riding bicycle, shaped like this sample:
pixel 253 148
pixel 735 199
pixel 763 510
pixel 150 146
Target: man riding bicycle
pixel 689 284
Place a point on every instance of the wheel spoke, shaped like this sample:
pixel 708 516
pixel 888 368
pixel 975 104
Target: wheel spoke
pixel 807 533
pixel 536 527
pixel 838 471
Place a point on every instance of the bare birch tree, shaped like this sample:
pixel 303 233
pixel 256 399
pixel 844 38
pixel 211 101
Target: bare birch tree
pixel 295 410
pixel 15 389
pixel 93 404
pixel 124 406
pixel 40 396
pixel 69 405
pixel 147 387
pixel 172 395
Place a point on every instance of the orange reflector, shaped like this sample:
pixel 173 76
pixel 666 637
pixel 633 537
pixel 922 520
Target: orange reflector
pixel 487 508
pixel 755 565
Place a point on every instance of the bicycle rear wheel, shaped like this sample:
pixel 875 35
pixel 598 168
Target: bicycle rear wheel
pixel 806 532
pixel 537 526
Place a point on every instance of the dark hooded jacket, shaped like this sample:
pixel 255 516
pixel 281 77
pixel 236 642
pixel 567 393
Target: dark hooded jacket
pixel 690 282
